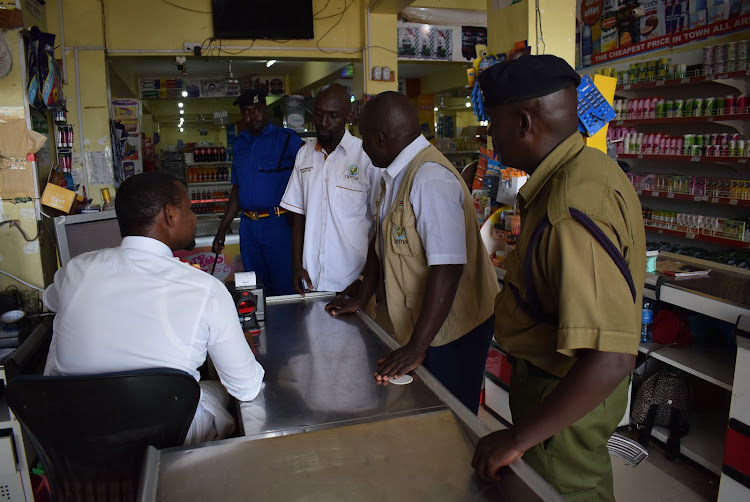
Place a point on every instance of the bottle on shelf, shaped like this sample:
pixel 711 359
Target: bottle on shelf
pixel 647 320
pixel 222 153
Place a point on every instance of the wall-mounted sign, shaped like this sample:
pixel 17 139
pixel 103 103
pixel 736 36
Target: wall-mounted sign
pixel 612 29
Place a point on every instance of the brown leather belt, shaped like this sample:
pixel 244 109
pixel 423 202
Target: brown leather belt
pixel 256 215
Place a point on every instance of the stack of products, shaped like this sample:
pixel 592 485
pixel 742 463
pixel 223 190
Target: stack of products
pixel 630 141
pixel 210 153
pixel 735 257
pixel 655 107
pixel 208 174
pixel 692 185
pixel 725 58
pixel 646 71
pixel 209 201
pixel 486 181
pixel 697 224
pixel 506 231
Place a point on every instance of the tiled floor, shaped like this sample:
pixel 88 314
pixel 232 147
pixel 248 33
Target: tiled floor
pixel 646 482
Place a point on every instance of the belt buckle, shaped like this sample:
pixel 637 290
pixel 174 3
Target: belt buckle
pixel 253 215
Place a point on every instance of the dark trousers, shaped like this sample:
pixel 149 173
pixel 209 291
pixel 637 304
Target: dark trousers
pixel 459 365
pixel 266 248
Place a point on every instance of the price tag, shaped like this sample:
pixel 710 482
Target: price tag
pixel 695 158
pixel 715 200
pixel 660 231
pixel 685 80
pixel 697 198
pixel 690 235
pixel 722 76
pixel 742 161
pixel 654 194
pixel 626 87
pixel 619 122
pixel 659 83
pixel 733 202
pixel 640 155
pixel 639 192
pixel 709 119
pixel 670 196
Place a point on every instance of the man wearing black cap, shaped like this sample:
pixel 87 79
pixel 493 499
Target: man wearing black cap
pixel 569 314
pixel 263 161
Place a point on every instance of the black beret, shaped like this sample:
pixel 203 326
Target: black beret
pixel 251 97
pixel 527 77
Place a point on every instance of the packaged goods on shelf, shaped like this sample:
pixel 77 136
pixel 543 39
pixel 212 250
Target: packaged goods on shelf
pixel 699 186
pixel 629 141
pixel 660 108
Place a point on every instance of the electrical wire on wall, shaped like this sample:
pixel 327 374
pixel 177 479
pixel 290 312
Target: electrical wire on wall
pixel 539 32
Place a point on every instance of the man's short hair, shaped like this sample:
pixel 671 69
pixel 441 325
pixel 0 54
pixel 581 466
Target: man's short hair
pixel 140 198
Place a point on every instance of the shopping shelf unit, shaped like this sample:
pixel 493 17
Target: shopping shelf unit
pixel 722 201
pixel 721 78
pixel 684 158
pixel 715 239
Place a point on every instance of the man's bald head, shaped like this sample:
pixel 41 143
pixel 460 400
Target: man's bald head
pixel 388 123
pixel 331 113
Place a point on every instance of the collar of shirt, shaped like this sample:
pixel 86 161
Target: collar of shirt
pixel 345 144
pixel 266 130
pixel 403 158
pixel 565 151
pixel 146 244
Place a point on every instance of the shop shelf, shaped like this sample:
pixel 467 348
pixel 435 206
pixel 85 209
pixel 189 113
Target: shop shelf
pixel 209 183
pixel 704 443
pixel 677 82
pixel 681 120
pixel 209 164
pixel 724 201
pixel 712 364
pixel 207 201
pixel 700 237
pixel 685 158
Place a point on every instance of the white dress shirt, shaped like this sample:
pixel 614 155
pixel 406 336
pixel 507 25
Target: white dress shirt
pixel 336 192
pixel 437 198
pixel 137 307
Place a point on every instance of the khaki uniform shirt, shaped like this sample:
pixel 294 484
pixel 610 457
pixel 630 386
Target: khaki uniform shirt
pixel 575 278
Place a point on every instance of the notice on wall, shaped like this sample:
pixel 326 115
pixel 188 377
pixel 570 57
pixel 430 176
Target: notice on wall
pixel 99 168
pixel 612 30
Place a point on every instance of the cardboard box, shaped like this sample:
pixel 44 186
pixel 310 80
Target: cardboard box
pixel 58 197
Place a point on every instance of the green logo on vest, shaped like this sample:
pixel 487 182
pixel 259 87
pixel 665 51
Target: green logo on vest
pixel 399 234
pixel 353 170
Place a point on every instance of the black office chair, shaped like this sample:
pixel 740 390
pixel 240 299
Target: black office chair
pixel 91 431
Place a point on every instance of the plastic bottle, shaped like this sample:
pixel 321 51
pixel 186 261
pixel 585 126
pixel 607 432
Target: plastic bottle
pixel 647 319
pixel 586 47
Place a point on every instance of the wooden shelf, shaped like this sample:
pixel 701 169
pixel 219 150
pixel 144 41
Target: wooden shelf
pixel 677 82
pixel 704 443
pixel 724 241
pixel 681 120
pixel 712 364
pixel 722 201
pixel 685 158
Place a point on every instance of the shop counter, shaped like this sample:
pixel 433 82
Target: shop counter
pixel 324 429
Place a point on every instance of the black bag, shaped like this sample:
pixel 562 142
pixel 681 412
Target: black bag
pixel 663 399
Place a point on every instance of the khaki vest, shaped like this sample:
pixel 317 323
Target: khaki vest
pixel 406 269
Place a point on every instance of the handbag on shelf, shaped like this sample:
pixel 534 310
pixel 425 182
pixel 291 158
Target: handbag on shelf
pixel 663 399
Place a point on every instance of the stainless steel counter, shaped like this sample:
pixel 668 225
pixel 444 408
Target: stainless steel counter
pixel 323 429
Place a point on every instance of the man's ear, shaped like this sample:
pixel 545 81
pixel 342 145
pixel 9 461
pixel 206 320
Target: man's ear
pixel 524 123
pixel 170 214
pixel 379 138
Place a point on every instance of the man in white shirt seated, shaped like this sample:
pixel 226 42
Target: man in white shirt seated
pixel 331 193
pixel 137 307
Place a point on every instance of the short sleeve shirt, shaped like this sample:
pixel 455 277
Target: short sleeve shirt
pixel 262 166
pixel 336 192
pixel 577 281
pixel 437 199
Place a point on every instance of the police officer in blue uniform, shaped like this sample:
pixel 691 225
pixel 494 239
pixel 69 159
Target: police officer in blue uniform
pixel 263 161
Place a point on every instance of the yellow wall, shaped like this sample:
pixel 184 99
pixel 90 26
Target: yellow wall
pixel 452 4
pixel 169 135
pixel 507 26
pixel 17 256
pixel 161 27
pixel 383 42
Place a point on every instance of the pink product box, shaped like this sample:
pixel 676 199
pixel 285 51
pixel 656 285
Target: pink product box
pixel 698 186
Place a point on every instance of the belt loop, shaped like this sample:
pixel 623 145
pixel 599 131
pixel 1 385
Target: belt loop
pixel 277 210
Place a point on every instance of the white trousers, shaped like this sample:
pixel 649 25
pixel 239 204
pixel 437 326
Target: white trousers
pixel 212 420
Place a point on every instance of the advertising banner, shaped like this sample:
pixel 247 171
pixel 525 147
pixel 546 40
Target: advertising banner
pixel 228 262
pixel 614 29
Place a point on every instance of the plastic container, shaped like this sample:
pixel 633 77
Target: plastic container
pixel 651 257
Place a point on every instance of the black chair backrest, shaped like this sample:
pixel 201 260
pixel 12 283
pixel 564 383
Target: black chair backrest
pixel 91 431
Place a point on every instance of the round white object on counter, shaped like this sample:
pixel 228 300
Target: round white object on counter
pixel 402 380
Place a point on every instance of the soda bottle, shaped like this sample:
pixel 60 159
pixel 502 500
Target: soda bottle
pixel 222 153
pixel 647 319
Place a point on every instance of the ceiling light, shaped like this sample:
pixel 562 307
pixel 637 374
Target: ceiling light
pixel 184 94
pixel 182 112
pixel 435 109
pixel 182 130
pixel 230 79
pixel 270 63
pixel 180 104
pixel 468 105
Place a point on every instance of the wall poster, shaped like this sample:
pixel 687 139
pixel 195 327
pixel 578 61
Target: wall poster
pixel 613 29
